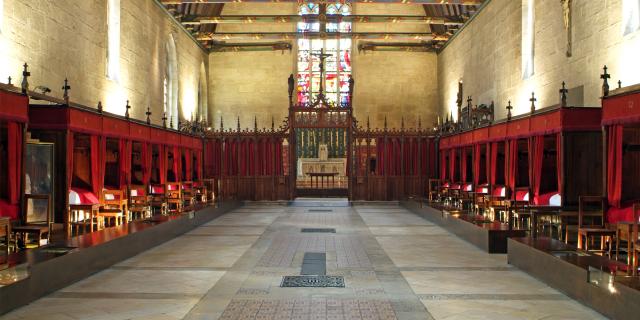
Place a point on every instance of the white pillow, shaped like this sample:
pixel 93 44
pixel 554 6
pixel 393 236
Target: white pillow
pixel 134 192
pixel 74 197
pixel 109 196
pixel 525 197
pixel 468 187
pixel 555 200
pixel 484 190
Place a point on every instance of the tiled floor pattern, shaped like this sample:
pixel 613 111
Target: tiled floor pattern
pixel 395 265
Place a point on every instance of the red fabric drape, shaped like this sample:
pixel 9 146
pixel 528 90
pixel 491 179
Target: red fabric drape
pixel 198 165
pixel 452 165
pixel 103 162
pixel 14 162
pixel 463 165
pixel 614 164
pixel 95 164
pixel 146 161
pixel 70 147
pixel 537 155
pixel 512 164
pixel 380 158
pixel 188 162
pixel 493 163
pixel 177 163
pixel 124 159
pixel 162 164
pixel 476 164
pixel 559 161
pixel 443 165
pixel 278 157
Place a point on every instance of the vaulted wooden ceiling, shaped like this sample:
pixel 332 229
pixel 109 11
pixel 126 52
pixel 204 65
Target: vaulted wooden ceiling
pixel 444 18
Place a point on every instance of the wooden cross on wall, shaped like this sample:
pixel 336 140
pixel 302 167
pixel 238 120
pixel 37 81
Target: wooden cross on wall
pixel 509 107
pixel 66 88
pixel 605 85
pixel 533 102
pixel 563 95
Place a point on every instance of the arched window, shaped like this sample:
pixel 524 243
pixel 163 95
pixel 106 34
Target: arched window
pixel 171 83
pixel 203 106
pixel 113 40
pixel 337 65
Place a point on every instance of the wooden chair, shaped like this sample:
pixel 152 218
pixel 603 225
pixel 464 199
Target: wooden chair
pixel 209 185
pixel 37 219
pixel 139 203
pixel 174 197
pixel 113 207
pixel 480 198
pixel 158 198
pixel 434 190
pixel 200 191
pixel 5 232
pixel 590 232
pixel 497 201
pixel 635 239
pixel 188 194
pixel 518 214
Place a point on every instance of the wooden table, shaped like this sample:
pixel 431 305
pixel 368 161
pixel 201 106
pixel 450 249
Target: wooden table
pixel 322 176
pixel 5 230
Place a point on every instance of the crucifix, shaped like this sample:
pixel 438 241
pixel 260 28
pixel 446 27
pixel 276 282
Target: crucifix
pixel 605 85
pixel 321 56
pixel 164 119
pixel 126 114
pixel 509 107
pixel 66 88
pixel 148 113
pixel 563 95
pixel 533 102
pixel 566 14
pixel 25 75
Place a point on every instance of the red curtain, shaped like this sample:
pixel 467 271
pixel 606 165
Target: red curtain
pixel 614 164
pixel 559 161
pixel 14 163
pixel 124 154
pixel 452 165
pixel 278 157
pixel 213 160
pixel 188 162
pixel 162 164
pixel 463 165
pixel 146 158
pixel 198 165
pixel 380 158
pixel 443 165
pixel 177 163
pixel 95 164
pixel 512 164
pixel 70 147
pixel 103 161
pixel 493 163
pixel 537 155
pixel 476 164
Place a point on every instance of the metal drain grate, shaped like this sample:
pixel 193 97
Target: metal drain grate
pixel 318 230
pixel 320 210
pixel 312 282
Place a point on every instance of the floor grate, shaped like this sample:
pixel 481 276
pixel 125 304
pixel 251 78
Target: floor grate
pixel 318 230
pixel 320 210
pixel 312 282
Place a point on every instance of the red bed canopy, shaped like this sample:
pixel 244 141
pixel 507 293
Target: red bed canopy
pixel 13 112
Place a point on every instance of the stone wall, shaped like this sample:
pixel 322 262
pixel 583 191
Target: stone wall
pixel 67 38
pixel 486 55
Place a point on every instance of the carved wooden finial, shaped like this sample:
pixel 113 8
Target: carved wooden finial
pixel 291 83
pixel 619 83
pixel 25 76
pixel 402 123
pixel 533 102
pixel 273 126
pixel 170 122
pixel 221 124
pixel 605 84
pixel 509 107
pixel 9 81
pixel 164 119
pixel 99 107
pixel 148 113
pixel 492 109
pixel 368 124
pixel 385 123
pixel 419 123
pixel 238 123
pixel 126 113
pixel 563 95
pixel 255 123
pixel 65 90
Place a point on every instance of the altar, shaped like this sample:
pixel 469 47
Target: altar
pixel 322 164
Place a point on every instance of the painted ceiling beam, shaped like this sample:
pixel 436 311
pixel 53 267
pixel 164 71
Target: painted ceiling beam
pixel 249 19
pixel 438 2
pixel 223 36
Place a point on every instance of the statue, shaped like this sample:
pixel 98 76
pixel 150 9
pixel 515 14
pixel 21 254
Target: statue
pixel 566 14
pixel 291 81
pixel 352 84
pixel 323 152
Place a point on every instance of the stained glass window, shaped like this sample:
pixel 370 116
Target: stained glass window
pixel 337 65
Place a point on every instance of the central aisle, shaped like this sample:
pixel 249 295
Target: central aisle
pixel 395 265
